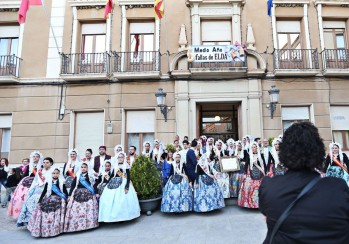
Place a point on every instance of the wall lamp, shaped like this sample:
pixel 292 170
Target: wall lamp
pixel 274 99
pixel 161 101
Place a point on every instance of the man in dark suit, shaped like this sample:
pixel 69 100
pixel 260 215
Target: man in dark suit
pixel 191 162
pixel 100 158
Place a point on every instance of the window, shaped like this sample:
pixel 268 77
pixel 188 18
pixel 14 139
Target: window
pixel 89 131
pixel 5 133
pixel 137 133
pixel 142 41
pixel 340 125
pixel 216 32
pixel 289 39
pixel 291 115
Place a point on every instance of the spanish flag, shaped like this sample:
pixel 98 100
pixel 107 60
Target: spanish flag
pixel 24 7
pixel 108 8
pixel 159 9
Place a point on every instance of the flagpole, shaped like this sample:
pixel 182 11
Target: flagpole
pixel 49 21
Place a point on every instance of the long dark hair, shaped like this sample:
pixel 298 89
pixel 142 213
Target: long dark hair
pixel 18 173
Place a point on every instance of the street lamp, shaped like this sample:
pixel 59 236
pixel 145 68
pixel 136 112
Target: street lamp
pixel 274 99
pixel 161 101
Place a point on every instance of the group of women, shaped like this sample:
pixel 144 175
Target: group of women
pixel 49 205
pixel 51 201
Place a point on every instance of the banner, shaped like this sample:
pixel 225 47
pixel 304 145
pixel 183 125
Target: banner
pixel 216 53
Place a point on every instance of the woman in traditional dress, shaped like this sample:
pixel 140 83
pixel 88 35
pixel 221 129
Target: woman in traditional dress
pixel 48 217
pixel 146 149
pixel 43 175
pixel 337 163
pixel 22 189
pixel 221 177
pixel 104 177
pixel 207 194
pixel 71 168
pixel 157 151
pixel 82 207
pixel 230 151
pixel 177 195
pixel 237 177
pixel 248 194
pixel 274 167
pixel 119 201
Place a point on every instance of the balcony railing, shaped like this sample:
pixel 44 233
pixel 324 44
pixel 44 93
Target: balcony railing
pixel 85 63
pixel 9 65
pixel 335 58
pixel 142 61
pixel 296 59
pixel 217 65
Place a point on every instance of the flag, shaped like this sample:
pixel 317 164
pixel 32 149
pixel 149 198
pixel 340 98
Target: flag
pixel 135 54
pixel 108 8
pixel 270 6
pixel 159 9
pixel 24 7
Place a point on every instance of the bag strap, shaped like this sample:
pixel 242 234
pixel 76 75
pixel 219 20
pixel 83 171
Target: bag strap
pixel 287 211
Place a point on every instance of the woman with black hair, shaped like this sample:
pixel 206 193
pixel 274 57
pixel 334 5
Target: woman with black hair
pixel 321 215
pixel 47 219
pixel 12 182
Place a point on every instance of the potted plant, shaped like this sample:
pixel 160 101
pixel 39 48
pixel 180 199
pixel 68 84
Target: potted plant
pixel 146 181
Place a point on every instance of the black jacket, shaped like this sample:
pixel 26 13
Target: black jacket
pixel 321 216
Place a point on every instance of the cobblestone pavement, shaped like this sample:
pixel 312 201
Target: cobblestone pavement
pixel 229 225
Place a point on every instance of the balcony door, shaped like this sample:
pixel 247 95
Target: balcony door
pixel 289 45
pixel 93 58
pixel 8 50
pixel 337 55
pixel 142 55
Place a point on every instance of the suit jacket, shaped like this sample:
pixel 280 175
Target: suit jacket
pixel 97 162
pixel 190 166
pixel 321 216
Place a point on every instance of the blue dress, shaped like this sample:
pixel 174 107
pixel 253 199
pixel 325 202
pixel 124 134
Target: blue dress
pixel 114 204
pixel 177 195
pixel 208 196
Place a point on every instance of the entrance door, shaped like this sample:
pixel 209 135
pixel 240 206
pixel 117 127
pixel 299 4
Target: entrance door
pixel 218 120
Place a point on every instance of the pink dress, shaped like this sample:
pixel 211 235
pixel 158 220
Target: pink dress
pixel 18 197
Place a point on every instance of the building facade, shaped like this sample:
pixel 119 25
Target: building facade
pixel 70 79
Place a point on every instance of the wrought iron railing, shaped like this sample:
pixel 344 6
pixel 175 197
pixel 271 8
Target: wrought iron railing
pixel 142 61
pixel 335 58
pixel 297 59
pixel 10 65
pixel 85 63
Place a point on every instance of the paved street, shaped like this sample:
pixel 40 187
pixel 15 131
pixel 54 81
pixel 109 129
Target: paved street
pixel 229 225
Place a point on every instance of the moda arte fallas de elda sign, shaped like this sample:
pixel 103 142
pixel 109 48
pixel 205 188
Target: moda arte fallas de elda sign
pixel 216 53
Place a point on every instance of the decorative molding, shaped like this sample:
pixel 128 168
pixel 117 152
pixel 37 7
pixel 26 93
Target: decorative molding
pixel 9 9
pixel 98 7
pixel 337 3
pixel 131 6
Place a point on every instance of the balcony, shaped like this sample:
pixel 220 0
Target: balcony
pixel 221 69
pixel 9 68
pixel 336 62
pixel 136 65
pixel 296 62
pixel 85 66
